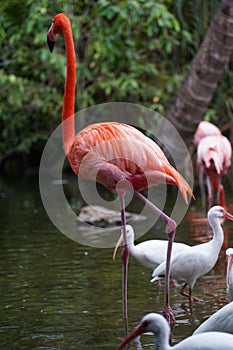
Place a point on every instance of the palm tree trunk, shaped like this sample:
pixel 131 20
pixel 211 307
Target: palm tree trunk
pixel 192 99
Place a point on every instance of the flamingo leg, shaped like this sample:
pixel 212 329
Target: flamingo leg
pixel 202 188
pixel 210 192
pixel 221 195
pixel 217 191
pixel 171 230
pixel 125 261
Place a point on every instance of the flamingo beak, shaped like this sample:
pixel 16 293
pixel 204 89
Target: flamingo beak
pixel 229 265
pixel 138 330
pixel 120 240
pixel 51 37
pixel 228 216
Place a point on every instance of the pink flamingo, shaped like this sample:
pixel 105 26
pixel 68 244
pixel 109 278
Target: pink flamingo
pixel 229 276
pixel 116 155
pixel 205 129
pixel 214 158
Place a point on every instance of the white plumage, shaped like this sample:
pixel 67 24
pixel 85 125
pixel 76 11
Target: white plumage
pixel 195 262
pixel 157 324
pixel 152 252
pixel 222 320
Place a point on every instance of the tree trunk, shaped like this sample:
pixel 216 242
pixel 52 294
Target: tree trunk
pixel 193 97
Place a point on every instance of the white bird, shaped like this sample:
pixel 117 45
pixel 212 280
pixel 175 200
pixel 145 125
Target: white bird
pixel 222 320
pixel 149 253
pixel 195 262
pixel 229 254
pixel 157 324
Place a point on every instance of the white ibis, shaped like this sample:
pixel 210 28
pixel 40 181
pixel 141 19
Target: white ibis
pixel 157 324
pixel 220 321
pixel 229 254
pixel 149 253
pixel 195 262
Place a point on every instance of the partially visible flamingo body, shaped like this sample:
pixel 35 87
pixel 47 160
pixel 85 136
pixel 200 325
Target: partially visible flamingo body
pixel 116 155
pixel 229 277
pixel 204 129
pixel 157 324
pixel 101 152
pixel 191 264
pixel 214 158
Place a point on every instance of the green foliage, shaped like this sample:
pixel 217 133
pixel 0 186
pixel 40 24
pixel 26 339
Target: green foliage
pixel 127 50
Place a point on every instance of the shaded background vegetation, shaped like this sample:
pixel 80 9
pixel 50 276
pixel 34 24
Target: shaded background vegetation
pixel 131 51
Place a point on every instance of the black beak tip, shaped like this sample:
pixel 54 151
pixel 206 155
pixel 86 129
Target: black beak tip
pixel 50 44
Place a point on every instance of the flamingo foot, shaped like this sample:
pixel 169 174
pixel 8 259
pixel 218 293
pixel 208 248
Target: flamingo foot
pixel 169 315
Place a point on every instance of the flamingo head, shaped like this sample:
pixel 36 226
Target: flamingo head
pixel 60 21
pixel 130 238
pixel 153 323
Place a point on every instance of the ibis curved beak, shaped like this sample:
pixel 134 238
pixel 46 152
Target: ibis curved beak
pixel 120 240
pixel 51 37
pixel 228 216
pixel 137 331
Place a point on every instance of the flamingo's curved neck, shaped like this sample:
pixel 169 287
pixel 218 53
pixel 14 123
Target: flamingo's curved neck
pixel 68 127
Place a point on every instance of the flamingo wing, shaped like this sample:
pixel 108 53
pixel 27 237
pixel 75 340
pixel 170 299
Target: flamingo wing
pixel 216 149
pixel 110 152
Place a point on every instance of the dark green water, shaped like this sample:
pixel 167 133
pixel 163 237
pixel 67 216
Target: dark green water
pixel 58 294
